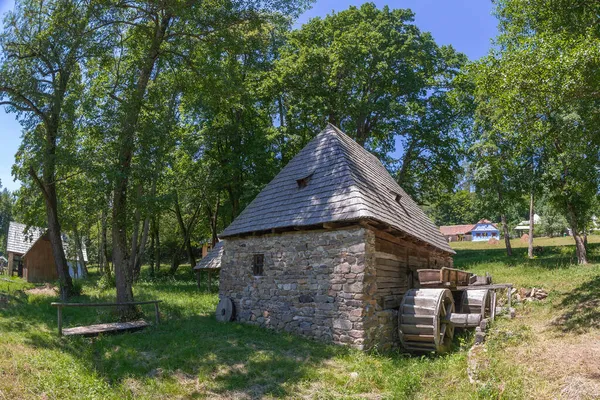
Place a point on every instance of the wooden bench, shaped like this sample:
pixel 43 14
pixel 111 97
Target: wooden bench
pixel 95 330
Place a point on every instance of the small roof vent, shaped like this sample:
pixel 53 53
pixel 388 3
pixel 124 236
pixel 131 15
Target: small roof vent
pixel 303 182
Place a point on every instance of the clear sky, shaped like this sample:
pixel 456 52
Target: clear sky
pixel 466 24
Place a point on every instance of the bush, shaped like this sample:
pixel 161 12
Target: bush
pixel 77 287
pixel 106 281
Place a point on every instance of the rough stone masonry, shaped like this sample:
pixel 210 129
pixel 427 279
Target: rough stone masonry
pixel 319 284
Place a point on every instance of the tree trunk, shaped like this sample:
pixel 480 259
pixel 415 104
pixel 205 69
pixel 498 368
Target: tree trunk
pixel 105 266
pixel 580 245
pixel 186 231
pixel 126 141
pixel 151 252
pixel 580 249
pixel 48 188
pixel 213 214
pixel 142 248
pixel 157 244
pixel 58 251
pixel 506 233
pixel 531 222
pixel 174 263
pixel 79 248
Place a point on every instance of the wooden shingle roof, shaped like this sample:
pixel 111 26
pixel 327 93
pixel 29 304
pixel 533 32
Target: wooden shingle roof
pixel 212 259
pixel 20 240
pixel 334 179
pixel 450 230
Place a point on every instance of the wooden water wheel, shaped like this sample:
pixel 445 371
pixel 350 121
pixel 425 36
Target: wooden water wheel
pixel 423 320
pixel 476 302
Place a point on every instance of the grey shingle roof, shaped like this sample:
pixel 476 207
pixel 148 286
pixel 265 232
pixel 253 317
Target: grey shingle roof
pixel 348 183
pixel 212 259
pixel 20 241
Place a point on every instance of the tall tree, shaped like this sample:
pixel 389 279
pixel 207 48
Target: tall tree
pixel 7 202
pixel 158 37
pixel 376 75
pixel 543 82
pixel 40 81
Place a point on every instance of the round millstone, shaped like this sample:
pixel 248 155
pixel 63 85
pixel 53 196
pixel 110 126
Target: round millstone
pixel 225 310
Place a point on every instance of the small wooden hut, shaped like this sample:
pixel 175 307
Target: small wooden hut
pixel 30 252
pixel 329 247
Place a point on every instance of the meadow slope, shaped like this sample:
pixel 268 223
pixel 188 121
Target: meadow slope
pixel 551 350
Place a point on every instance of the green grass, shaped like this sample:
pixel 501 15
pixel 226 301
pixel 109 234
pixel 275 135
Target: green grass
pixel 190 355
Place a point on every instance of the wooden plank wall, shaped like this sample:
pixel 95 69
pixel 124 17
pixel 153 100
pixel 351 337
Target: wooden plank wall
pixel 39 264
pixel 396 263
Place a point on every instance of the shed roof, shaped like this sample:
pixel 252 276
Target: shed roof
pixel 21 240
pixel 212 259
pixel 334 179
pixel 450 230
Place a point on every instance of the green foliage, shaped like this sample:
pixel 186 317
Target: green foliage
pixel 106 282
pixel 537 93
pixel 379 78
pixel 7 204
pixel 552 222
pixel 455 208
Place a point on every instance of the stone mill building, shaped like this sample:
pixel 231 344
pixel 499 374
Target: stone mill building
pixel 329 247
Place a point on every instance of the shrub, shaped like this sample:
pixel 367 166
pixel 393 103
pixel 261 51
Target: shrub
pixel 106 281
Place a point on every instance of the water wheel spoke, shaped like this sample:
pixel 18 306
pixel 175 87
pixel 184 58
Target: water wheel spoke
pixel 448 309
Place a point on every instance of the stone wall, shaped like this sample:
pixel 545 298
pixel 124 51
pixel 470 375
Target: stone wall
pixel 319 284
pixel 342 286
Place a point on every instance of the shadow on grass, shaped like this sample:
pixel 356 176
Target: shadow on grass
pixel 189 347
pixel 582 308
pixel 547 257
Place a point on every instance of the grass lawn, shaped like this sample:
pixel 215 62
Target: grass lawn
pixel 551 350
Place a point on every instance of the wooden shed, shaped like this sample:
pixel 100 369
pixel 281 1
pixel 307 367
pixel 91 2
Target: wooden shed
pixel 329 247
pixel 31 253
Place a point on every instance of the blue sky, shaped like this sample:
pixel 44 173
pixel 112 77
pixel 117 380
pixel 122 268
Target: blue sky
pixel 466 24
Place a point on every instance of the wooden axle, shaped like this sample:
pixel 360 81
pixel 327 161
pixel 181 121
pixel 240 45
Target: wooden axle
pixel 460 320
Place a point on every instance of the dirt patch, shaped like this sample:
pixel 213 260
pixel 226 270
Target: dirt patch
pixel 46 290
pixel 580 388
pixel 569 363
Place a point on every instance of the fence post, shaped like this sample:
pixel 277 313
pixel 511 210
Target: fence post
pixel 157 313
pixel 59 310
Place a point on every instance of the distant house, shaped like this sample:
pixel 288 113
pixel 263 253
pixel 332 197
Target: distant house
pixel 483 230
pixel 523 226
pixel 457 233
pixel 29 252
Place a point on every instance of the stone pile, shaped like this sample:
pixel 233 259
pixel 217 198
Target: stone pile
pixel 529 294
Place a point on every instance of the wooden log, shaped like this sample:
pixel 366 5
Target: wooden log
pixel 95 330
pixel 132 303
